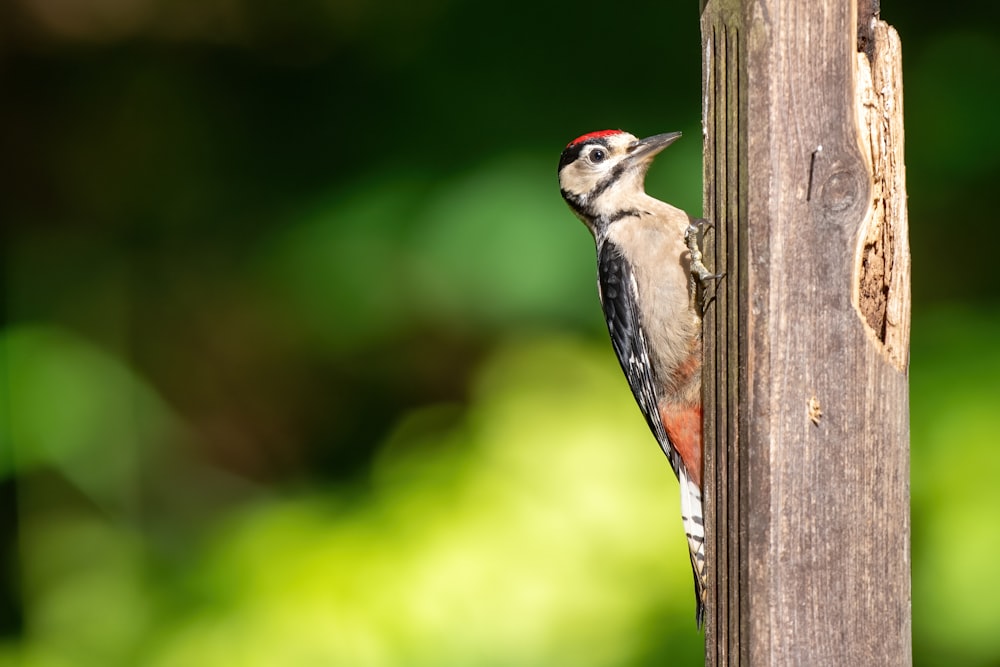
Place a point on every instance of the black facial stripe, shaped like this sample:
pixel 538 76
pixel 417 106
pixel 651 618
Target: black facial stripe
pixel 624 213
pixel 571 153
pixel 575 202
pixel 608 180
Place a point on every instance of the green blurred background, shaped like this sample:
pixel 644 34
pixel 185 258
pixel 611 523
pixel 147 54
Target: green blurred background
pixel 301 361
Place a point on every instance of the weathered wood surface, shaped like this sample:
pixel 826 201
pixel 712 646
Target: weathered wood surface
pixel 806 342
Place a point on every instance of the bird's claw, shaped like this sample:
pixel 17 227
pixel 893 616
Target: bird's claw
pixel 699 272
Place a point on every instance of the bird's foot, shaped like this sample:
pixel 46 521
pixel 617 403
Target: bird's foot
pixel 700 274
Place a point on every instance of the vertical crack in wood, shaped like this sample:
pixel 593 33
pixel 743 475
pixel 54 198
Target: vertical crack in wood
pixel 742 317
pixel 722 370
pixel 733 324
pixel 723 496
pixel 710 373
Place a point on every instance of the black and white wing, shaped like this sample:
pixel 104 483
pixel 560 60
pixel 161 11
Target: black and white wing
pixel 619 299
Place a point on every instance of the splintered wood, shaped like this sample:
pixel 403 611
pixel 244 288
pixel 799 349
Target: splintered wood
pixel 882 285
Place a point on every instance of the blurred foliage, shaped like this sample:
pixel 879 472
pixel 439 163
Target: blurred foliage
pixel 956 526
pixel 301 361
pixel 480 536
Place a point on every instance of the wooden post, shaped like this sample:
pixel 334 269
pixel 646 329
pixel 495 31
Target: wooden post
pixel 807 340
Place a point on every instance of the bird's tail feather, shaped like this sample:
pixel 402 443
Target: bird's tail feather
pixel 694 528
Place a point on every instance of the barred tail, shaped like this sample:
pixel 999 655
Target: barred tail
pixel 694 528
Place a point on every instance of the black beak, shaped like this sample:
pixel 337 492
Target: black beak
pixel 650 146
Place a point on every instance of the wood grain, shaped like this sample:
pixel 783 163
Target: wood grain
pixel 806 342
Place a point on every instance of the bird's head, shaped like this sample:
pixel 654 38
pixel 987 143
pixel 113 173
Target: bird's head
pixel 603 173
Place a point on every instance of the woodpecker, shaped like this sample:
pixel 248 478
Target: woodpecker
pixel 648 261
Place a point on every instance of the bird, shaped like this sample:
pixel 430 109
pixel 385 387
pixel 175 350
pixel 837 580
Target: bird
pixel 649 275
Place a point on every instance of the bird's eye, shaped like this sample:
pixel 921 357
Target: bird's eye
pixel 597 155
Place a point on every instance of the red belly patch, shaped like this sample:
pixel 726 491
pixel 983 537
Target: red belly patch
pixel 683 426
